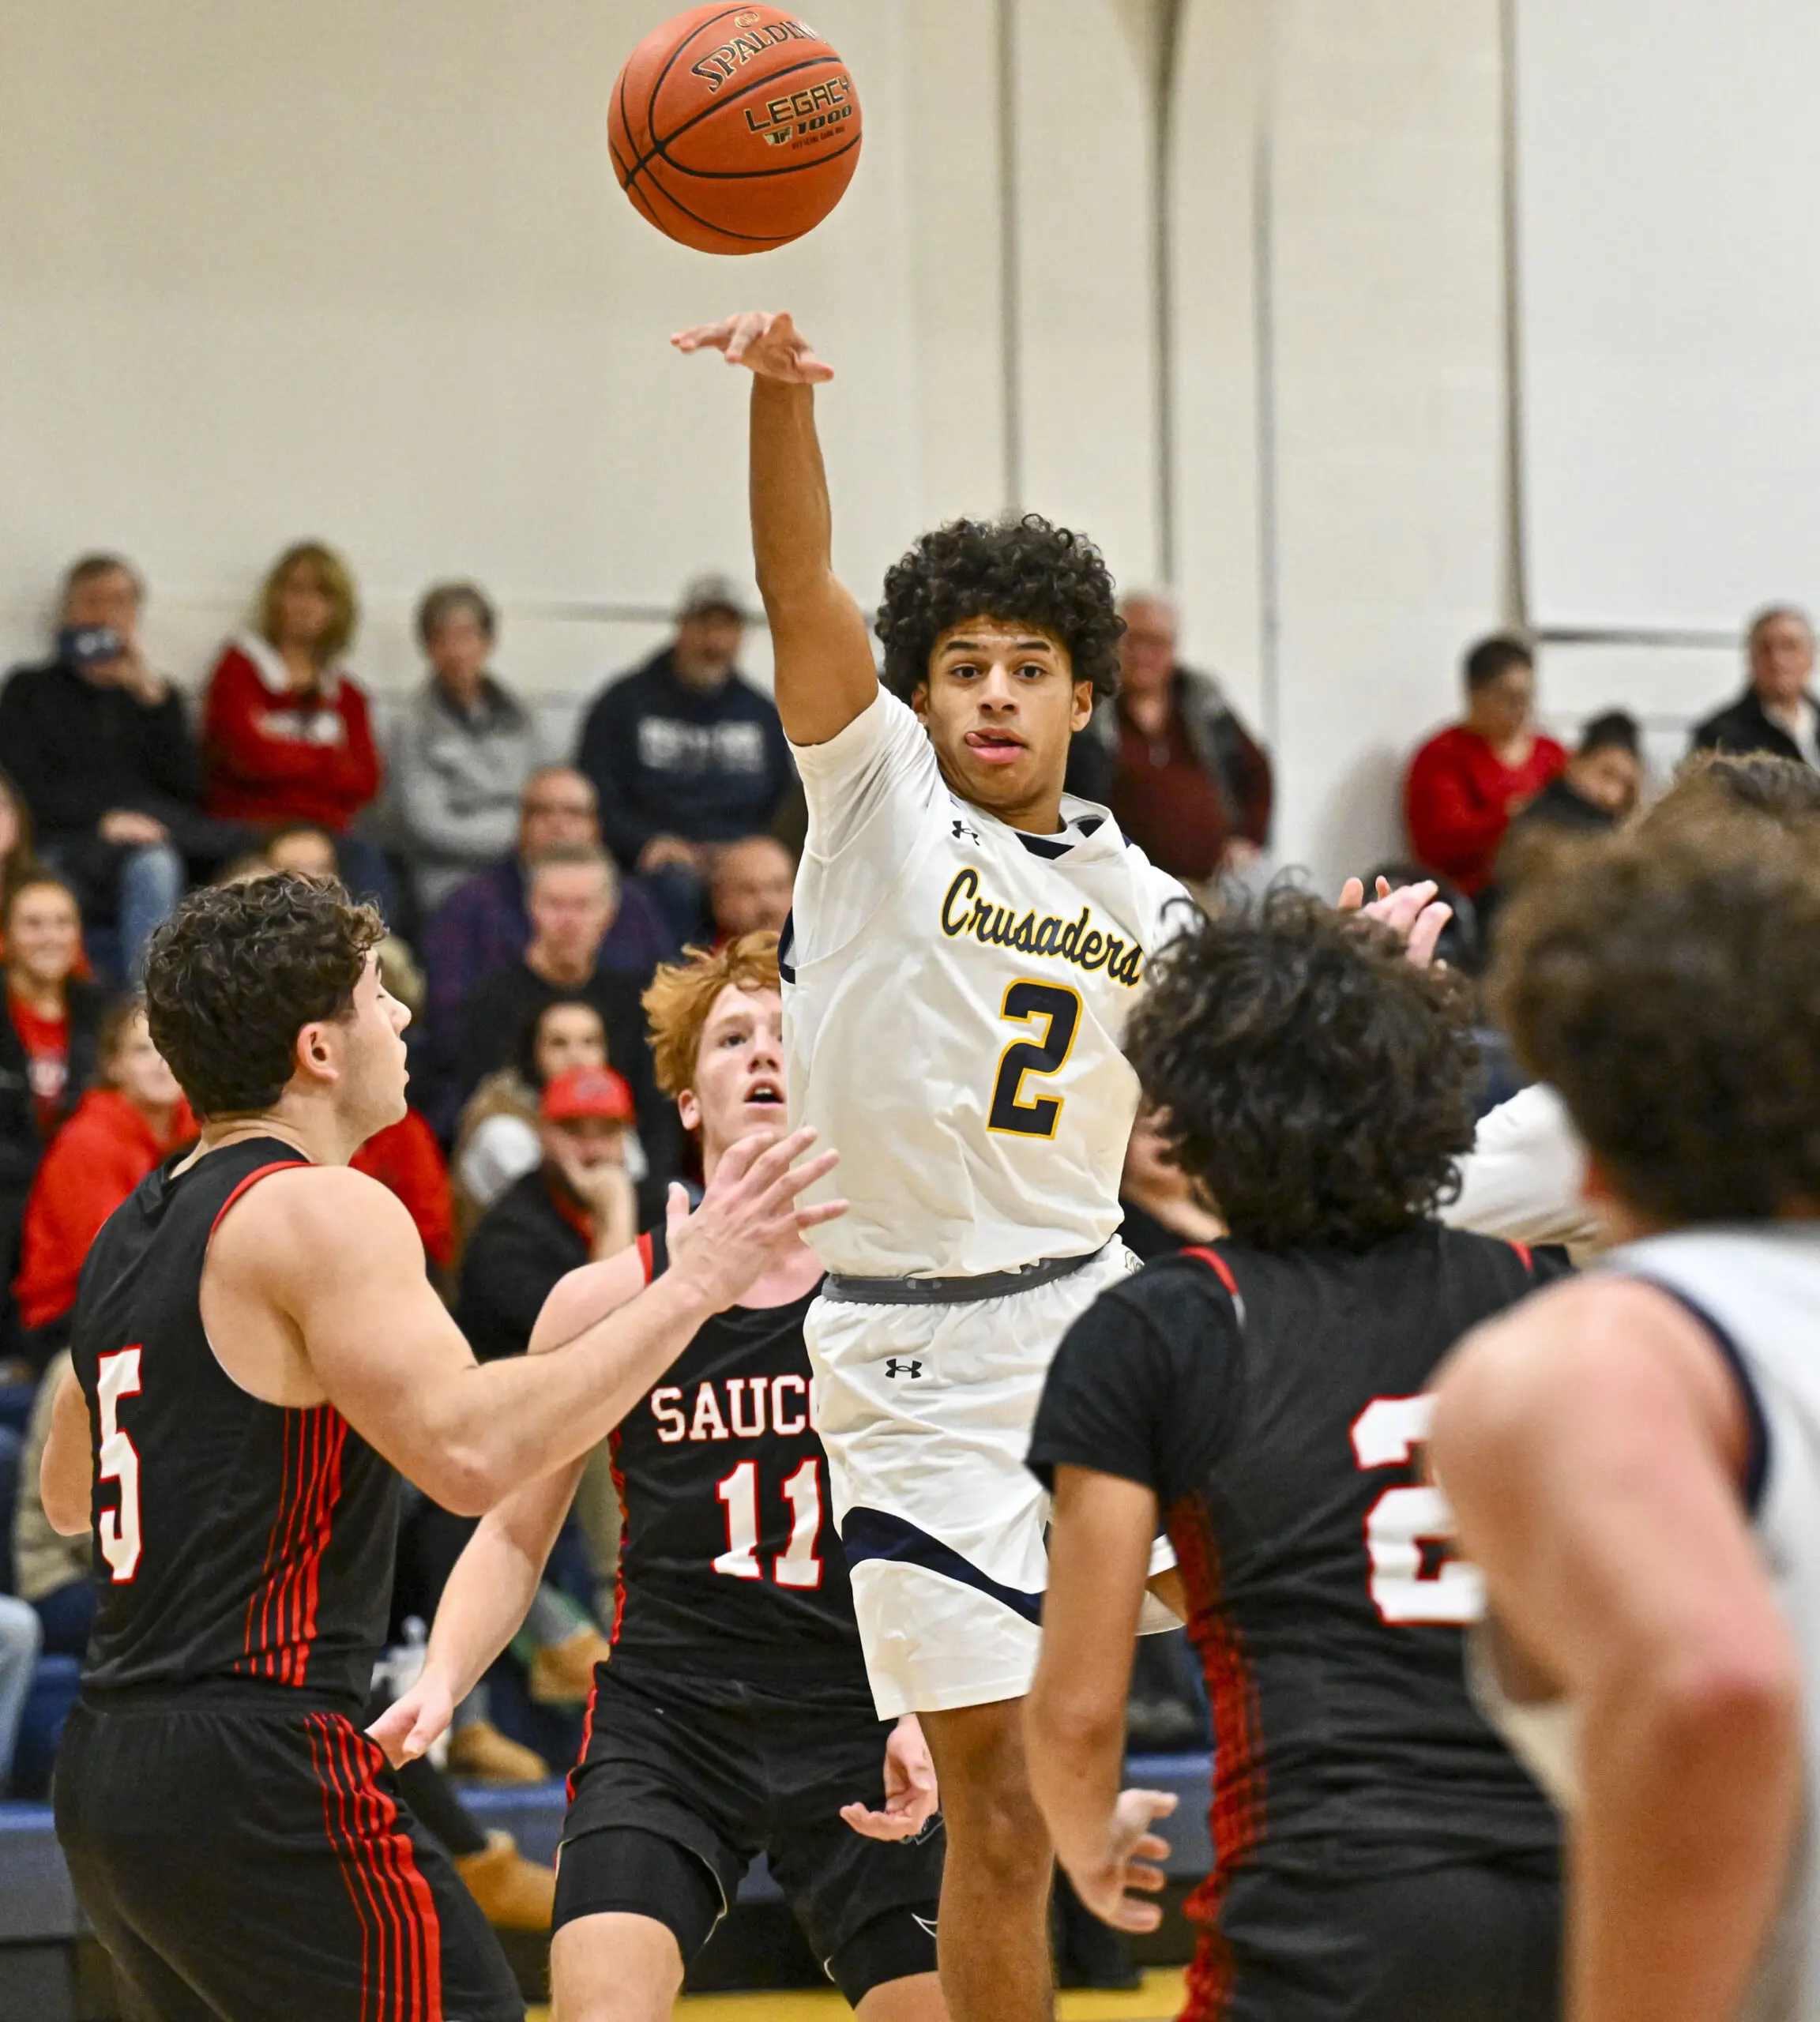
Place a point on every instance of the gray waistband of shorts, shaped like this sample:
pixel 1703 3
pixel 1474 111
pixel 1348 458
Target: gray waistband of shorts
pixel 952 1291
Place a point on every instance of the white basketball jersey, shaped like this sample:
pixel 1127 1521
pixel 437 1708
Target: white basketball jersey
pixel 1758 1288
pixel 956 994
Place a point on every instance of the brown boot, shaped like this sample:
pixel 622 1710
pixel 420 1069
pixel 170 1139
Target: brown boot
pixel 480 1750
pixel 562 1673
pixel 514 1892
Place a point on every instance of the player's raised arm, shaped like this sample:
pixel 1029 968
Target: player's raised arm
pixel 825 674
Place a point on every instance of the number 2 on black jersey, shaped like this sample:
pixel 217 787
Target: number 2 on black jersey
pixel 1025 1001
pixel 1402 1519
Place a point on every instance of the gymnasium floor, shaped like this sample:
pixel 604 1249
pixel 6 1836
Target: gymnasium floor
pixel 1159 1999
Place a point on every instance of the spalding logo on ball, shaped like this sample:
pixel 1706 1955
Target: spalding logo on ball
pixel 734 129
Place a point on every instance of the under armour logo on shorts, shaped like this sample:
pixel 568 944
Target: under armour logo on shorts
pixel 894 1367
pixel 961 828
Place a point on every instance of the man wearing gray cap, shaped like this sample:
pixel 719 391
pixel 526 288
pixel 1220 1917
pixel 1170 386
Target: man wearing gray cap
pixel 687 755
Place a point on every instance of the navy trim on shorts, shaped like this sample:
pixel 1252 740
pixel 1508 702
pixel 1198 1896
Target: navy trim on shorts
pixel 877 1534
pixel 787 947
pixel 1757 1453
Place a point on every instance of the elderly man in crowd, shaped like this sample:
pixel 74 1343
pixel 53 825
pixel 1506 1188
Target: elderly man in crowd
pixel 460 757
pixel 1779 712
pixel 1184 778
pixel 685 755
pixel 753 881
pixel 102 749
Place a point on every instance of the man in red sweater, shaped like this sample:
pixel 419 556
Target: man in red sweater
pixel 1464 786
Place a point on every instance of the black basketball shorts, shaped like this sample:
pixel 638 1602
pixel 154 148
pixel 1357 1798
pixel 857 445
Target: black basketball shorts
pixel 247 1861
pixel 726 1771
pixel 1466 1942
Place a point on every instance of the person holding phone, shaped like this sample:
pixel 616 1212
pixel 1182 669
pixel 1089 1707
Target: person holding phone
pixel 101 746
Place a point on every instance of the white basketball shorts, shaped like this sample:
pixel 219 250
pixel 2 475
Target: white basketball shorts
pixel 926 1413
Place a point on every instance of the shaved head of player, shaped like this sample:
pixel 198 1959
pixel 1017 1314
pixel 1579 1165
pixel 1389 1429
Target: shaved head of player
pixel 735 1717
pixel 258 1356
pixel 1633 1457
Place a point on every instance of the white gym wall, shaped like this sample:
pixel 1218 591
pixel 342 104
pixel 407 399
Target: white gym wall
pixel 361 271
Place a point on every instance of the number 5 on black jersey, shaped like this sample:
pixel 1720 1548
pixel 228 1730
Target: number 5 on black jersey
pixel 1025 1001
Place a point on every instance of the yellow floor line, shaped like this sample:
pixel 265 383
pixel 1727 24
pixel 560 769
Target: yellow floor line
pixel 1159 1999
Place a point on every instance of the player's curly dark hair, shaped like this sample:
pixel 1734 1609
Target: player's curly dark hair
pixel 1025 570
pixel 1669 989
pixel 237 971
pixel 1318 1084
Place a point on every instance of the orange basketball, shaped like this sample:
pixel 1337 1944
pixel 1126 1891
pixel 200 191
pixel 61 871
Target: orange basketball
pixel 733 129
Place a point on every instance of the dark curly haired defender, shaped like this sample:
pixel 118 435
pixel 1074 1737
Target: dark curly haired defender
pixel 236 971
pixel 1671 989
pixel 1026 570
pixel 1318 1084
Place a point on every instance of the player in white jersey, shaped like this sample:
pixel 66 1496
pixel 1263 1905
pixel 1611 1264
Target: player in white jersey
pixel 1634 1457
pixel 966 946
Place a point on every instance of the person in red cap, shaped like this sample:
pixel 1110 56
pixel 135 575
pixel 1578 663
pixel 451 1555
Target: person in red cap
pixel 578 1205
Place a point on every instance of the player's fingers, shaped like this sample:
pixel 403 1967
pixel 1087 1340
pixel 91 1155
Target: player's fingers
pixel 1137 1917
pixel 1425 935
pixel 1351 896
pixel 700 335
pixel 741 1157
pixel 875 1824
pixel 775 1158
pixel 1383 888
pixel 1141 1874
pixel 823 1211
pixel 799 1179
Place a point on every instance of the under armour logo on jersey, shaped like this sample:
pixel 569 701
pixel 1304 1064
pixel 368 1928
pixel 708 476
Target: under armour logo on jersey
pixel 961 828
pixel 895 1367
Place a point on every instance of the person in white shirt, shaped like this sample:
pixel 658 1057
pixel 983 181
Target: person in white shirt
pixel 966 945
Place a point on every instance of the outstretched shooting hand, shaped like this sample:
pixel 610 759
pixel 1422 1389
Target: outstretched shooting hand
pixel 763 342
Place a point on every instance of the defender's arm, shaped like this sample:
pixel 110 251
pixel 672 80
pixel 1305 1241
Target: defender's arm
pixel 66 1471
pixel 1074 1718
pixel 823 658
pixel 494 1581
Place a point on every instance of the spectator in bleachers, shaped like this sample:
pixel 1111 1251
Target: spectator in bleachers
pixel 286 734
pixel 484 922
pixel 754 879
pixel 54 1573
pixel 460 757
pixel 686 754
pixel 571 901
pixel 406 1158
pixel 1184 778
pixel 497 1141
pixel 132 1119
pixel 49 1031
pixel 19 1641
pixel 1464 785
pixel 578 1205
pixel 1600 788
pixel 1779 712
pixel 17 856
pixel 101 746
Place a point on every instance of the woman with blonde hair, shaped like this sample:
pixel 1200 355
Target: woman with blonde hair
pixel 286 734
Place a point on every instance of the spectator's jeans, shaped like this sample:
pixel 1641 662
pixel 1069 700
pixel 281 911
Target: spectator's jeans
pixel 680 893
pixel 152 880
pixel 18 1659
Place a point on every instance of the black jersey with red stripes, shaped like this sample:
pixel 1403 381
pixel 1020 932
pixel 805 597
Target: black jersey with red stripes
pixel 730 1565
pixel 233 1540
pixel 1278 1404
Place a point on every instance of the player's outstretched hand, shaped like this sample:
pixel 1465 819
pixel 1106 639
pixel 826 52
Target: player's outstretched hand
pixel 1132 1852
pixel 409 1726
pixel 749 1218
pixel 768 344
pixel 910 1796
pixel 1412 913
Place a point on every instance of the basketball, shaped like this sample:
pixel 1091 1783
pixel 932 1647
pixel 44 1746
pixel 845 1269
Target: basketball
pixel 734 129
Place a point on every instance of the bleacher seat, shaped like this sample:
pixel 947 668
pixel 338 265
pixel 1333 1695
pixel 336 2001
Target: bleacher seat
pixel 53 1694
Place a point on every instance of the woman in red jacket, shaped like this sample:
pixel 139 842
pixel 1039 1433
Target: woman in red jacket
pixel 285 737
pixel 120 1129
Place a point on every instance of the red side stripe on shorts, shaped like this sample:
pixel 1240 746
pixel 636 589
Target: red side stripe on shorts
pixel 1237 1818
pixel 339 1826
pixel 1525 1256
pixel 410 1983
pixel 618 1596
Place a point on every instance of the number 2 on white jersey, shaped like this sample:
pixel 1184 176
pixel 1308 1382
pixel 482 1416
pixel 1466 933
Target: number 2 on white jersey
pixel 797 1565
pixel 1402 1519
pixel 117 1376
